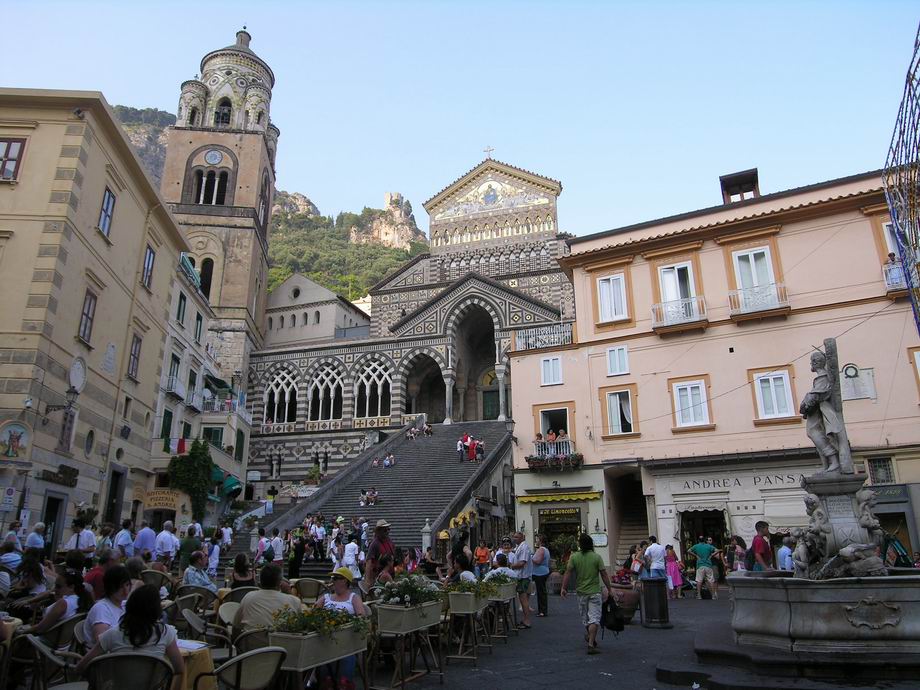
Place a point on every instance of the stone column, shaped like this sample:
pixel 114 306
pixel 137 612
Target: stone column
pixel 449 379
pixel 500 375
pixel 461 403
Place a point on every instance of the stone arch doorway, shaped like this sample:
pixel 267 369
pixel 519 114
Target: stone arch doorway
pixel 473 343
pixel 424 389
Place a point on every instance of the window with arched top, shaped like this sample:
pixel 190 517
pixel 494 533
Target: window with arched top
pixel 193 116
pixel 260 118
pixel 263 200
pixel 207 275
pixel 316 317
pixel 281 399
pixel 306 319
pixel 325 394
pixel 222 113
pixel 270 323
pixel 372 390
pixel 281 321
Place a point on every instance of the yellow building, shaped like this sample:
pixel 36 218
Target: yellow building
pixel 88 258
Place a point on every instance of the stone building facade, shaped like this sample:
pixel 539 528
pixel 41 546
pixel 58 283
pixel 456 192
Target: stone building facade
pixel 441 330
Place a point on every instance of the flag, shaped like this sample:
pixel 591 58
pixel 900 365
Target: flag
pixel 173 445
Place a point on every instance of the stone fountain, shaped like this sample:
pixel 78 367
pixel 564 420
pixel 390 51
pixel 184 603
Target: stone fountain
pixel 842 606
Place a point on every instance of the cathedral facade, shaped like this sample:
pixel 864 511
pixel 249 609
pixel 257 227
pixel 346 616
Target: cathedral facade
pixel 441 330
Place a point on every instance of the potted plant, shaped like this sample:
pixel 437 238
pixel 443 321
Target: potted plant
pixel 407 604
pixel 470 597
pixel 317 636
pixel 506 587
pixel 314 474
pixel 625 593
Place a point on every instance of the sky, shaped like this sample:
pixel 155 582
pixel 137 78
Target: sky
pixel 636 107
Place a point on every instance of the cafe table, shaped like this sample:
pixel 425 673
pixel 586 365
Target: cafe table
pixel 197 658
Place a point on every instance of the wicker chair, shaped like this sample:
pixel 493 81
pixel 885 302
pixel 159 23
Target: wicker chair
pixel 309 588
pixel 214 635
pixel 238 593
pixel 251 640
pixel 50 667
pixel 61 635
pixel 137 670
pixel 207 596
pixel 156 578
pixel 227 612
pixel 250 671
pixel 174 611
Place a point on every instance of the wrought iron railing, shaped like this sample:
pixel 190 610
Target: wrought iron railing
pixel 565 446
pixel 543 336
pixel 760 298
pixel 678 311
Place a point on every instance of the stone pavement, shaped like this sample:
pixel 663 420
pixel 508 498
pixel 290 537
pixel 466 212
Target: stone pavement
pixel 552 655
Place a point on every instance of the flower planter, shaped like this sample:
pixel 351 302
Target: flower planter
pixel 505 592
pixel 309 651
pixel 400 620
pixel 466 603
pixel 627 598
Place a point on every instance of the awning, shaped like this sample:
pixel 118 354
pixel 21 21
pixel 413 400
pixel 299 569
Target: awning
pixel 215 383
pixel 546 498
pixel 232 487
pixel 217 474
pixel 215 499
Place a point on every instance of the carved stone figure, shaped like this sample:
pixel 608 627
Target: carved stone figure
pixel 867 498
pixel 823 424
pixel 800 556
pixel 854 560
pixel 819 525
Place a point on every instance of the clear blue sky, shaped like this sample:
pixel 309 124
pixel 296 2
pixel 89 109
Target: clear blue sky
pixel 636 107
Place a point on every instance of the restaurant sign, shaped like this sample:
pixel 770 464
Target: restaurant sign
pixel 162 499
pixel 560 515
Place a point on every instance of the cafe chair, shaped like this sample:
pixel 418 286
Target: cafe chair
pixel 236 595
pixel 216 637
pixel 137 670
pixel 250 671
pixel 174 611
pixel 309 588
pixel 50 666
pixel 156 578
pixel 248 641
pixel 207 597
pixel 227 612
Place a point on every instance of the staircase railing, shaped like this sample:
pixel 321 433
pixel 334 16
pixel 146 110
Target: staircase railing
pixel 355 468
pixel 463 496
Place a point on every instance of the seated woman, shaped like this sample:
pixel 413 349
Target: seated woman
pixel 461 570
pixel 242 574
pixel 30 589
pixel 342 672
pixel 70 597
pixel 362 499
pixel 107 612
pixel 385 570
pixel 139 630
pixel 135 566
pixel 372 496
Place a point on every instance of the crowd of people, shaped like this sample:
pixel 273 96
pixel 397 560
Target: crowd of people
pixel 470 448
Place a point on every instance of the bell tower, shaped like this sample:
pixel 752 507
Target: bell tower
pixel 219 181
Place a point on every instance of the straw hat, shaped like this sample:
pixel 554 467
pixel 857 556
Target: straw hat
pixel 382 523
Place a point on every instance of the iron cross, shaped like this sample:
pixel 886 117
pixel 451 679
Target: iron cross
pixel 488 151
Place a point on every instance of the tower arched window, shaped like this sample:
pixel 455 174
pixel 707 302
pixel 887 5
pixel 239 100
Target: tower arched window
pixel 199 186
pixel 193 116
pixel 263 201
pixel 270 323
pixel 281 321
pixel 207 191
pixel 372 390
pixel 207 275
pixel 316 317
pixel 325 394
pixel 220 198
pixel 281 399
pixel 260 117
pixel 306 319
pixel 222 113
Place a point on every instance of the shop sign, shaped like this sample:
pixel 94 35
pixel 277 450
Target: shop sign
pixel 758 481
pixel 65 476
pixel 162 499
pixel 560 515
pixel 890 494
pixel 599 539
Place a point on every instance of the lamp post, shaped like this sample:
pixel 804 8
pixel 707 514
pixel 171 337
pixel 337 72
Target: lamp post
pixel 71 395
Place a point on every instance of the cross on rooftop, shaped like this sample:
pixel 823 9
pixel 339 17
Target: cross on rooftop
pixel 488 151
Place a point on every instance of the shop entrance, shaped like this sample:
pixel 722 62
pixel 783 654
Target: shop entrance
pixel 895 524
pixel 52 516
pixel 705 523
pixel 560 527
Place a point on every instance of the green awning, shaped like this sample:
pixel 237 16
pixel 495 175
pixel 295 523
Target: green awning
pixel 232 486
pixel 215 383
pixel 217 474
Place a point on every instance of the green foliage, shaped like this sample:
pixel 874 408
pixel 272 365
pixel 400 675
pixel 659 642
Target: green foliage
pixel 322 621
pixel 481 588
pixel 409 590
pixel 319 248
pixel 500 579
pixel 191 473
pixel 563 546
pixel 144 116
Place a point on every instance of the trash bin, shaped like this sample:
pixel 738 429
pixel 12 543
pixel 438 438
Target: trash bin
pixel 653 602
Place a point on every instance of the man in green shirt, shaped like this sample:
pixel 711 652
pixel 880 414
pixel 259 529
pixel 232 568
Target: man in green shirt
pixel 704 551
pixel 587 565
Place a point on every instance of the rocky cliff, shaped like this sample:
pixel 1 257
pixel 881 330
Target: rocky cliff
pixel 393 227
pixel 146 128
pixel 293 203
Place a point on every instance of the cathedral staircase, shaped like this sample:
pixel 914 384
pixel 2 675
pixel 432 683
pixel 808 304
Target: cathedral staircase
pixel 427 480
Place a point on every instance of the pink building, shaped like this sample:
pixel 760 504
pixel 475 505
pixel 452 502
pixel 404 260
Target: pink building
pixel 679 382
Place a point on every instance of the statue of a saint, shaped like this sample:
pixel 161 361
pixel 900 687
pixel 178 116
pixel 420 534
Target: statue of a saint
pixel 824 417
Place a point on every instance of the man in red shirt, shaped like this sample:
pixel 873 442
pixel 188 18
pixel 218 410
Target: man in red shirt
pixel 763 553
pixel 94 576
pixel 379 546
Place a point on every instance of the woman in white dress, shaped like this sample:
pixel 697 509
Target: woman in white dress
pixel 350 558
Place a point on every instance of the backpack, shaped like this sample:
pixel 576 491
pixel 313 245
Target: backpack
pixel 749 560
pixel 612 617
pixel 268 555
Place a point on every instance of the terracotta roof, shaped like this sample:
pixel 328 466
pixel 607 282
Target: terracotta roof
pixel 457 283
pixel 747 203
pixel 387 278
pixel 550 181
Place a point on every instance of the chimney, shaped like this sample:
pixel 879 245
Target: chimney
pixel 740 186
pixel 243 38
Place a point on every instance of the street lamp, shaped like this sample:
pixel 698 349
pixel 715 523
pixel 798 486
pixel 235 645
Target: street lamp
pixel 71 395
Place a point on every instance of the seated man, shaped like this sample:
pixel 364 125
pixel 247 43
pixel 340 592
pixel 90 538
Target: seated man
pixel 372 496
pixel 257 608
pixel 197 572
pixel 502 568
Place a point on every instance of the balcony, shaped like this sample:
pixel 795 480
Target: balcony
pixel 175 388
pixel 895 279
pixel 554 456
pixel 227 406
pixel 758 302
pixel 194 401
pixel 680 315
pixel 536 338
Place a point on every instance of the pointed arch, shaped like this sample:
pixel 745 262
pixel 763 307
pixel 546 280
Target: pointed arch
pixel 325 392
pixel 280 398
pixel 223 113
pixel 372 388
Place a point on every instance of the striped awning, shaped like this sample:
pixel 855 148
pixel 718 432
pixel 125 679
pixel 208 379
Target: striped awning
pixel 547 498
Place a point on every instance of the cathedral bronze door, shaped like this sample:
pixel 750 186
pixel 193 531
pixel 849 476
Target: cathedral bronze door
pixel 490 404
